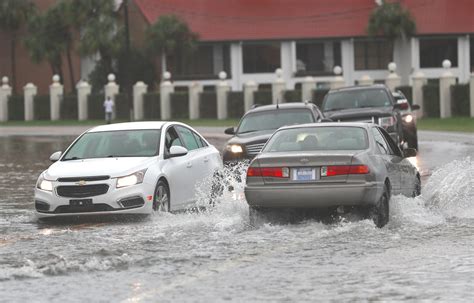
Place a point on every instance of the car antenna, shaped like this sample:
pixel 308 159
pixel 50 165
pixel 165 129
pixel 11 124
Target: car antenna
pixel 277 104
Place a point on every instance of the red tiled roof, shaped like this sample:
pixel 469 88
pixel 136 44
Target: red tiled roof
pixel 217 20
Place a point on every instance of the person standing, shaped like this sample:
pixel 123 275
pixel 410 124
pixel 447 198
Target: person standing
pixel 109 109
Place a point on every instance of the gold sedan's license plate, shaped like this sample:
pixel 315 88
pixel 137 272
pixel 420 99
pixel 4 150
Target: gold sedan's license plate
pixel 305 174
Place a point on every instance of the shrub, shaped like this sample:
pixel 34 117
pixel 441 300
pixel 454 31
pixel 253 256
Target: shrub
pixel 68 108
pixel 431 100
pixel 262 97
pixel 235 104
pixel 16 108
pixel 41 107
pixel 180 105
pixel 208 105
pixel 151 106
pixel 123 104
pixel 95 106
pixel 318 96
pixel 292 96
pixel 460 100
pixel 407 91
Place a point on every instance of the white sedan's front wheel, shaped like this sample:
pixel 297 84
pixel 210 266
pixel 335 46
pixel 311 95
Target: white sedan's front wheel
pixel 161 201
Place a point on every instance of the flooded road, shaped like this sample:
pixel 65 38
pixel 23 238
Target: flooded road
pixel 426 252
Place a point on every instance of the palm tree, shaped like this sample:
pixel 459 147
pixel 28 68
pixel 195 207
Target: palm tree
pixel 170 34
pixel 13 14
pixel 391 20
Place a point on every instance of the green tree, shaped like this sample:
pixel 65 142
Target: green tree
pixel 170 34
pixel 391 20
pixel 13 15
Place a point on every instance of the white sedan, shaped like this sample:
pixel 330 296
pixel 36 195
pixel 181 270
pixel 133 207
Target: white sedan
pixel 127 168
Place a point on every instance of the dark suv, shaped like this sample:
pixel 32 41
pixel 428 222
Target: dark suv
pixel 259 123
pixel 373 103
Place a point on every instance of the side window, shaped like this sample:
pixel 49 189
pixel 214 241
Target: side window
pixel 199 140
pixel 380 141
pixel 394 150
pixel 188 138
pixel 172 139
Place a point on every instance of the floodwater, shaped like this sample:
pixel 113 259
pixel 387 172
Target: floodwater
pixel 426 252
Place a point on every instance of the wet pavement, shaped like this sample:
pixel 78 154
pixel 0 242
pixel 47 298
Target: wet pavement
pixel 426 252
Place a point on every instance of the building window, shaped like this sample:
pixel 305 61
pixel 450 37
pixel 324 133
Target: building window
pixel 434 50
pixel 205 63
pixel 372 54
pixel 317 58
pixel 471 53
pixel 261 57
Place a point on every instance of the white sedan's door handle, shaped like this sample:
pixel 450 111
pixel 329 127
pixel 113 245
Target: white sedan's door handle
pixel 189 165
pixel 206 159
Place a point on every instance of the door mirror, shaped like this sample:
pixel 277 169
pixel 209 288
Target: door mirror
pixel 230 131
pixel 401 106
pixel 409 152
pixel 177 151
pixel 415 107
pixel 55 157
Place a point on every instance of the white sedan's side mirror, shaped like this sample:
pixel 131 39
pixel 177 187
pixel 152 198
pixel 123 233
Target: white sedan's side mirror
pixel 55 157
pixel 177 151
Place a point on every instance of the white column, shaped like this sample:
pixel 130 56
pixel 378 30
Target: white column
pixel 29 91
pixel 166 88
pixel 249 89
pixel 222 89
pixel 236 62
pixel 366 80
pixel 56 91
pixel 418 80
pixel 83 92
pixel 286 61
pixel 139 89
pixel 338 81
pixel 194 101
pixel 5 92
pixel 111 89
pixel 471 91
pixel 307 87
pixel 447 79
pixel 393 80
pixel 278 87
pixel 347 54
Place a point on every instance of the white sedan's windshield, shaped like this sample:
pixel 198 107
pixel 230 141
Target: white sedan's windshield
pixel 124 143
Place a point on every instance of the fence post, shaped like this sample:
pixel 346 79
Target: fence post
pixel 278 87
pixel 249 88
pixel 447 79
pixel 307 87
pixel 194 101
pixel 29 91
pixel 222 89
pixel 5 92
pixel 83 91
pixel 111 89
pixel 366 80
pixel 419 81
pixel 166 88
pixel 56 91
pixel 338 81
pixel 139 89
pixel 471 90
pixel 393 80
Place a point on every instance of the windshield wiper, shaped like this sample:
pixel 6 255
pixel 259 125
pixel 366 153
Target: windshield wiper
pixel 337 108
pixel 72 158
pixel 248 131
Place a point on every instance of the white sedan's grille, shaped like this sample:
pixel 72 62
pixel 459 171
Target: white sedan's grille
pixel 253 149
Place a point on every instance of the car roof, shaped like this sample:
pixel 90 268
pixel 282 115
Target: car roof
pixel 130 126
pixel 326 124
pixel 358 87
pixel 292 105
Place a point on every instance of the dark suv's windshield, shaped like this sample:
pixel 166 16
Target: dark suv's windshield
pixel 124 143
pixel 359 98
pixel 274 119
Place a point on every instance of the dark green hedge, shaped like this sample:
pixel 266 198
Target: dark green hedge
pixel 262 97
pixel 95 109
pixel 460 102
pixel 41 107
pixel 318 96
pixel 123 104
pixel 151 106
pixel 68 108
pixel 179 105
pixel 16 108
pixel 431 100
pixel 208 105
pixel 235 104
pixel 407 91
pixel 292 96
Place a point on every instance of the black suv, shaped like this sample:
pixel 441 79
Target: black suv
pixel 259 123
pixel 373 103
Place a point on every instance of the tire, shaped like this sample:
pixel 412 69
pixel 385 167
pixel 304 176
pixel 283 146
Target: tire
pixel 161 198
pixel 417 188
pixel 412 142
pixel 379 212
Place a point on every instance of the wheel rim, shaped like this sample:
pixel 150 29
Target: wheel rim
pixel 161 199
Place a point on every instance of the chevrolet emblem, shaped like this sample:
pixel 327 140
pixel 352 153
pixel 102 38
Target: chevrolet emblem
pixel 82 182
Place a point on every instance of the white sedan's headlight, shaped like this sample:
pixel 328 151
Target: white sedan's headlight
pixel 44 184
pixel 235 148
pixel 133 179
